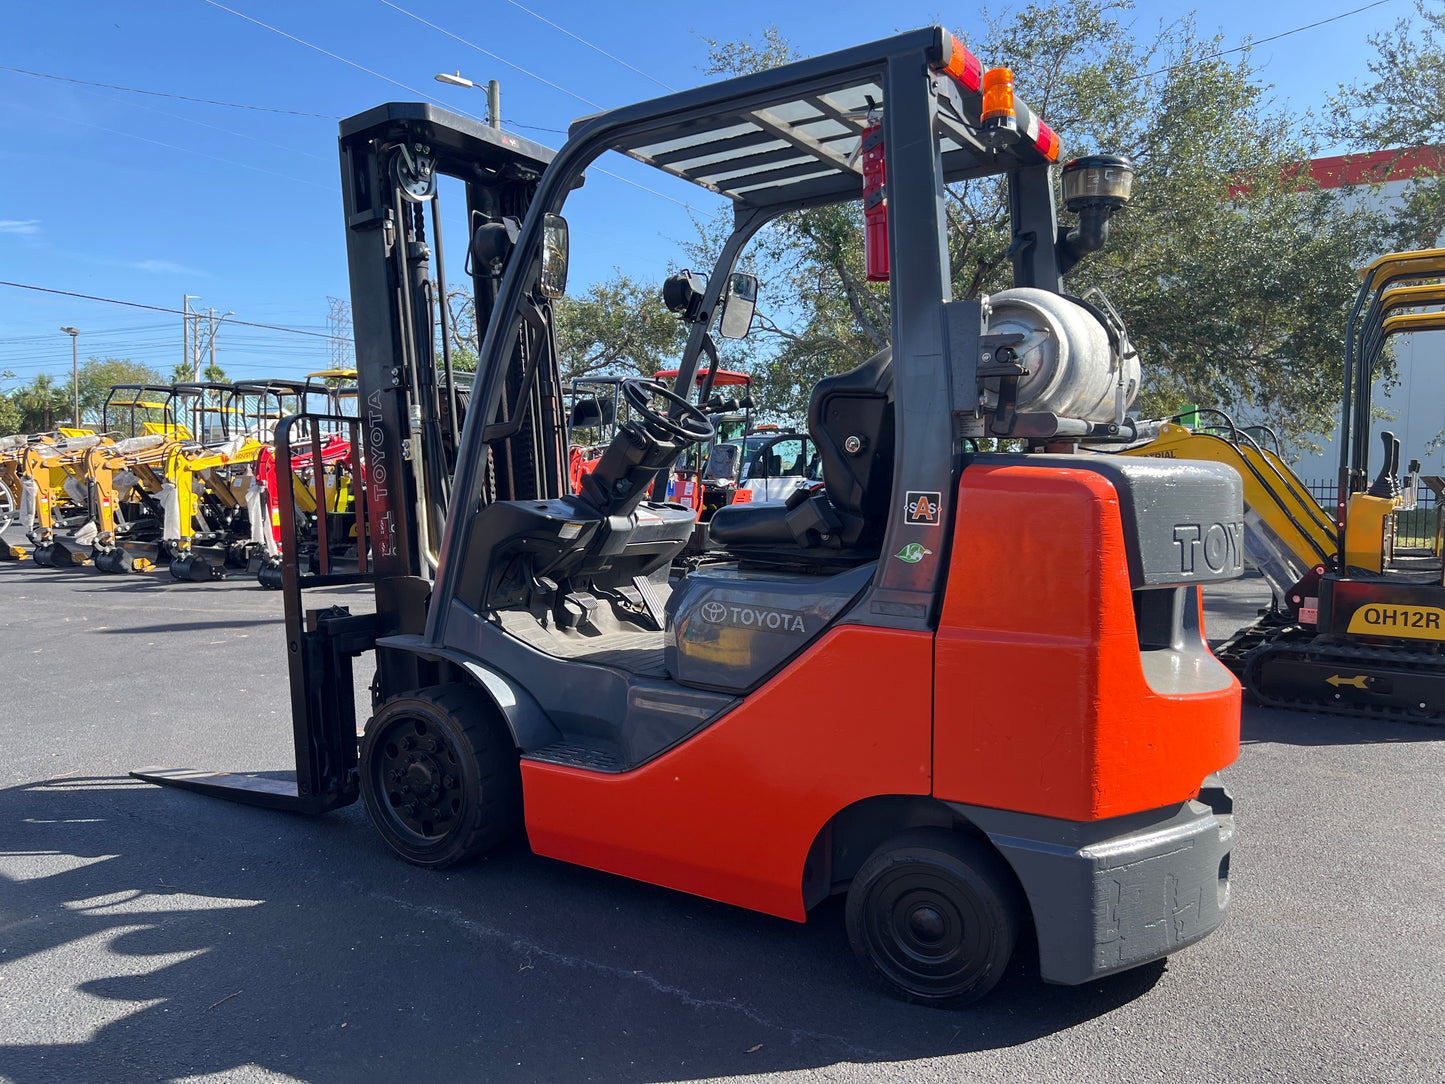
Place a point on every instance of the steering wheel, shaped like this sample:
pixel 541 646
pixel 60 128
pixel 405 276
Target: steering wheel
pixel 692 426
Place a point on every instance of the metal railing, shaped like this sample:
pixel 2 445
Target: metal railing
pixel 1413 527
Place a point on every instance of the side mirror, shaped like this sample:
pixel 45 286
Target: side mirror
pixel 739 302
pixel 553 282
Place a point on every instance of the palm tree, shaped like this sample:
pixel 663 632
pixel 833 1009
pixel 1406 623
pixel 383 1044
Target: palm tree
pixel 41 402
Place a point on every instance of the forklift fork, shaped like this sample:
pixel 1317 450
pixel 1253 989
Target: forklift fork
pixel 319 648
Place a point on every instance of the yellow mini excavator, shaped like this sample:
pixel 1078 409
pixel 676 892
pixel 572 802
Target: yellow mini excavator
pixel 1358 625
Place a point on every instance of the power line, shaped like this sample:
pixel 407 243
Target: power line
pixel 202 154
pixel 368 71
pixel 584 41
pixel 157 308
pixel 333 56
pixel 164 94
pixel 484 52
pixel 1262 41
pixel 438 101
pixel 548 82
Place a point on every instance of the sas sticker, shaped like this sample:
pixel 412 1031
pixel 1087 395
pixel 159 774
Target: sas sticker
pixel 1409 622
pixel 912 553
pixel 923 508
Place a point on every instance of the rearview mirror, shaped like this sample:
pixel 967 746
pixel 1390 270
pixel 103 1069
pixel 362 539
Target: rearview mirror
pixel 738 304
pixel 553 282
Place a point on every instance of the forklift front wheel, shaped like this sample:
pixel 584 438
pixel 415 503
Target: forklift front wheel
pixel 440 775
pixel 933 917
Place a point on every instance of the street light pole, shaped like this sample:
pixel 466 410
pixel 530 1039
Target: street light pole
pixel 493 89
pixel 74 369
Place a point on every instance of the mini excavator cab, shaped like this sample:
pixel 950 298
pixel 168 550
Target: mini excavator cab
pixel 969 690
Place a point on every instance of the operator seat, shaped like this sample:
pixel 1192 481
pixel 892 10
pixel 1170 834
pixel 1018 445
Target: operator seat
pixel 850 418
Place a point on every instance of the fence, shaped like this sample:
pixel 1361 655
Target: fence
pixel 1413 528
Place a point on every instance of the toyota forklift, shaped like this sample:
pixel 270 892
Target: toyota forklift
pixel 968 690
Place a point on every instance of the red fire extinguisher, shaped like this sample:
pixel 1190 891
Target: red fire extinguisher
pixel 875 206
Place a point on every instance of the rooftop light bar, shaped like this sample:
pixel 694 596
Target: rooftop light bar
pixel 967 71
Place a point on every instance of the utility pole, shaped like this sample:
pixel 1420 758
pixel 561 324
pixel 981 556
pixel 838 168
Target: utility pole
pixel 73 332
pixel 187 359
pixel 338 326
pixel 212 321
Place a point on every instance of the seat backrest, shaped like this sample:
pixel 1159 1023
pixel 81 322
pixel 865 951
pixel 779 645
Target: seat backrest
pixel 722 461
pixel 854 410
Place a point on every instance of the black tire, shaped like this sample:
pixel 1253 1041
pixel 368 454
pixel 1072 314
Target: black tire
pixel 934 917
pixel 440 775
pixel 9 506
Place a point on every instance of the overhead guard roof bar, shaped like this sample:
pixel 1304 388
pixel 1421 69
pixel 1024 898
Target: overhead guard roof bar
pixel 802 146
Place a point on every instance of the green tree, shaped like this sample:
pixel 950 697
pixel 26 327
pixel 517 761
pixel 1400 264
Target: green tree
pixel 9 413
pixel 11 420
pixel 619 326
pixel 42 405
pixel 97 375
pixel 1400 106
pixel 1237 303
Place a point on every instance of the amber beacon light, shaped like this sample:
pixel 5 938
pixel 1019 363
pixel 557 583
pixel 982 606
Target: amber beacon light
pixel 998 101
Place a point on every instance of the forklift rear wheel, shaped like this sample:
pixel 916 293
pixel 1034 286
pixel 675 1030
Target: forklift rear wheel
pixel 933 917
pixel 440 775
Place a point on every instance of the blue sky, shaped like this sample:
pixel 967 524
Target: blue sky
pixel 146 199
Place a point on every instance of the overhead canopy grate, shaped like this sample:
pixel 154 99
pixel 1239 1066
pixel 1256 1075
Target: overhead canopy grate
pixel 803 146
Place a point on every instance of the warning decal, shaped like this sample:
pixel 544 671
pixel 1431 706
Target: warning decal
pixel 923 508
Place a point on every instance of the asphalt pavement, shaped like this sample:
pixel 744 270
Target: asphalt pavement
pixel 151 934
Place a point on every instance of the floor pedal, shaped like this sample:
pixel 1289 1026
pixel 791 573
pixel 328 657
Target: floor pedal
pixel 651 600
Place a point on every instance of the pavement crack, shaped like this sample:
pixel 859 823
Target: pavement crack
pixel 530 950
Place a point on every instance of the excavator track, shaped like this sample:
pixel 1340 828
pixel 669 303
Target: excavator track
pixel 1364 681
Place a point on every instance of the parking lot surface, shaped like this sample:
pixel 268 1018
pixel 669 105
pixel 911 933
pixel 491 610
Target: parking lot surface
pixel 150 934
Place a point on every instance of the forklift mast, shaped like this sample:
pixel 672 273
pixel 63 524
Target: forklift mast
pixel 391 160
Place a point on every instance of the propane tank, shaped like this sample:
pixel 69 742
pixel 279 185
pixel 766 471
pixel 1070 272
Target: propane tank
pixel 1073 370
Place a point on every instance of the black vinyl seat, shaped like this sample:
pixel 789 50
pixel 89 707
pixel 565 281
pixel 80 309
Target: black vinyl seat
pixel 850 418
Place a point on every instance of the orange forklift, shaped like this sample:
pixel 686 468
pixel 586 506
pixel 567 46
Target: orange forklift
pixel 967 689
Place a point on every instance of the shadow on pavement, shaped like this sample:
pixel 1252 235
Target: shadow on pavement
pixel 150 935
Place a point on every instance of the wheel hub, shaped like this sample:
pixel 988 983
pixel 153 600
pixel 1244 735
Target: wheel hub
pixel 417 773
pixel 926 924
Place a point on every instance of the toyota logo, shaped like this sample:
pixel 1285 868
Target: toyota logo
pixel 714 611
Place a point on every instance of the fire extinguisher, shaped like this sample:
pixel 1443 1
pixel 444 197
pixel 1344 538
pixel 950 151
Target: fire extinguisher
pixel 875 205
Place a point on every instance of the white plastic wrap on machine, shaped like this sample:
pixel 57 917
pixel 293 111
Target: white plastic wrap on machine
pixel 171 505
pixel 29 490
pixel 260 517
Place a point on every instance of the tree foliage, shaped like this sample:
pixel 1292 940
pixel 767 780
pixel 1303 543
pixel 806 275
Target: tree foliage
pixel 1236 303
pixel 11 420
pixel 97 375
pixel 42 404
pixel 618 326
pixel 1402 105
